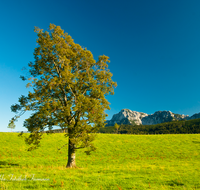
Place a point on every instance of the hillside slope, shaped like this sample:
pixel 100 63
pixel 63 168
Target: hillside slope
pixel 120 162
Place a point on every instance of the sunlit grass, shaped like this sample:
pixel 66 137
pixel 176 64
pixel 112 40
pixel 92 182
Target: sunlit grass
pixel 120 162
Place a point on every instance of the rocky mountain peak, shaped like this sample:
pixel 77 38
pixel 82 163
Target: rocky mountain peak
pixel 126 116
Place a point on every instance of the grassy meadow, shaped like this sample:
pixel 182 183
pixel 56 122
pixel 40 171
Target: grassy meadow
pixel 120 162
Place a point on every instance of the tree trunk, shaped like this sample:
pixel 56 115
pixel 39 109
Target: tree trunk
pixel 71 155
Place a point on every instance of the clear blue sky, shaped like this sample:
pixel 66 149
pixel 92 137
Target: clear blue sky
pixel 154 48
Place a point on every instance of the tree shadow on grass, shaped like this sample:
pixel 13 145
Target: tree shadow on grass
pixel 196 142
pixel 175 183
pixel 4 164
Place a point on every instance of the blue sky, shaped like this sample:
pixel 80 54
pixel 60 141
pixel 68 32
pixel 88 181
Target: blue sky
pixel 154 48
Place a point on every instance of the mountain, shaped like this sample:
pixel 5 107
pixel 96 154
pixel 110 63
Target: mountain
pixel 126 116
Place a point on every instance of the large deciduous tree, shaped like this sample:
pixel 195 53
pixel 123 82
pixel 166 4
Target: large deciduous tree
pixel 68 90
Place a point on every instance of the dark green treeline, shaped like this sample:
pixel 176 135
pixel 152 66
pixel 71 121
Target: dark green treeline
pixel 174 127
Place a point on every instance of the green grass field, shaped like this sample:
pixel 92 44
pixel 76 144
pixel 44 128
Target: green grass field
pixel 120 162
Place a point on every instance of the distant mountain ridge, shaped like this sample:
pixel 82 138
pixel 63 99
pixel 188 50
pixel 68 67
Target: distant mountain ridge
pixel 126 116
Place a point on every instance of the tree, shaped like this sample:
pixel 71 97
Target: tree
pixel 69 89
pixel 11 126
pixel 116 127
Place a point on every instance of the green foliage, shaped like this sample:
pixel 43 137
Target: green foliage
pixel 69 89
pixel 11 125
pixel 109 129
pixel 127 161
pixel 174 127
pixel 116 126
